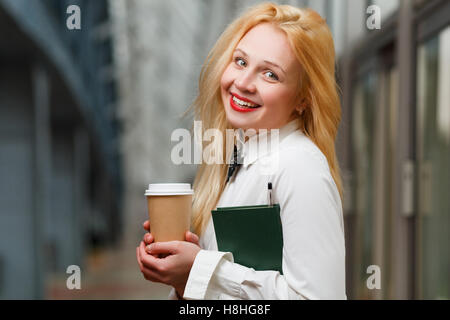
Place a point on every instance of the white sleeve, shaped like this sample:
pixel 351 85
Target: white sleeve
pixel 313 244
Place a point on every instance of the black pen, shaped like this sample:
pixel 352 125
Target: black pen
pixel 233 165
pixel 269 187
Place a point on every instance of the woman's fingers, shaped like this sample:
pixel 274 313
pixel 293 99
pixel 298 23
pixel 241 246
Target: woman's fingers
pixel 147 273
pixel 192 237
pixel 148 238
pixel 138 256
pixel 162 248
pixel 151 276
pixel 146 225
pixel 148 260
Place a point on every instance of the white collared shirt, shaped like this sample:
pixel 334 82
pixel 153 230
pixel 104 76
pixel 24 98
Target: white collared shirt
pixel 313 230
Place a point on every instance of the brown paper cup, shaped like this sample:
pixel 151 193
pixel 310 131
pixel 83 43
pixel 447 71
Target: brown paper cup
pixel 169 210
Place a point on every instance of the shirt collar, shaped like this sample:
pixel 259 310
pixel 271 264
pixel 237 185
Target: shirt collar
pixel 251 146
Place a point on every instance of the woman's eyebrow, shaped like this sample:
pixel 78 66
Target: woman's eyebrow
pixel 266 61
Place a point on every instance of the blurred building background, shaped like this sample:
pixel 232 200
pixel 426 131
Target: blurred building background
pixel 86 123
pixel 59 161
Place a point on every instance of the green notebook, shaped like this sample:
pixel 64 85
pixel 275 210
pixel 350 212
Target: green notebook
pixel 252 233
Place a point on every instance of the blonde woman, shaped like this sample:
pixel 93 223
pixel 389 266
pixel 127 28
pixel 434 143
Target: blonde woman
pixel 272 68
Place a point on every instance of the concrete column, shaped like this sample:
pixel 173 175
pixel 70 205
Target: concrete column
pixel 42 171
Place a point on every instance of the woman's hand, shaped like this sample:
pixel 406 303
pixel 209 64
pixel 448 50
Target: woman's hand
pixel 148 237
pixel 172 270
pixel 176 265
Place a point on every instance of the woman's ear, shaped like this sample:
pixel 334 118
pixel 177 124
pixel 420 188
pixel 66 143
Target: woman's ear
pixel 302 106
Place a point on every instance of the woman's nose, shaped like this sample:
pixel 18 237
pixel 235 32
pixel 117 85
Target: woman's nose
pixel 245 82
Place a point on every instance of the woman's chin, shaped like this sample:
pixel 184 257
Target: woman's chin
pixel 240 124
pixel 238 121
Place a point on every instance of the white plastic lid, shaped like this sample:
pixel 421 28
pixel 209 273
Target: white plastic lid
pixel 168 189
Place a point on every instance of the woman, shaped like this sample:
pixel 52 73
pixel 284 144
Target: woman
pixel 272 68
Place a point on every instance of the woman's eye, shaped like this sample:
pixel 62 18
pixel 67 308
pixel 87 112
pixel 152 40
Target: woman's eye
pixel 240 62
pixel 271 75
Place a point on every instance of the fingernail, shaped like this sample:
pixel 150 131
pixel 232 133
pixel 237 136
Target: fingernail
pixel 149 247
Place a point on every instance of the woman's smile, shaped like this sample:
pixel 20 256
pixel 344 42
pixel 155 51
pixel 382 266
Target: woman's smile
pixel 242 104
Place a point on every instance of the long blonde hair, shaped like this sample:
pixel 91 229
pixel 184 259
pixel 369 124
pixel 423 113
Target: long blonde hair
pixel 312 43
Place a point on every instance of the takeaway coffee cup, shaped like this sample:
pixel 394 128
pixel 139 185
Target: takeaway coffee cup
pixel 169 210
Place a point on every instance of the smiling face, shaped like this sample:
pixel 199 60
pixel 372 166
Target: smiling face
pixel 260 84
